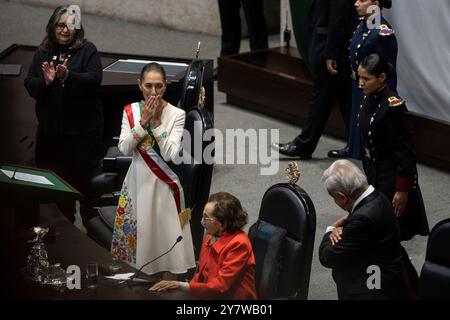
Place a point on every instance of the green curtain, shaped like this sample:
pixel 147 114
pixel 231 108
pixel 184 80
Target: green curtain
pixel 299 13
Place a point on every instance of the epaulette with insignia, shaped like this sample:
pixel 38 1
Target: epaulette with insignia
pixel 385 30
pixel 395 101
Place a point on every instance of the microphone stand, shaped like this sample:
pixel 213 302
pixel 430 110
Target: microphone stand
pixel 150 279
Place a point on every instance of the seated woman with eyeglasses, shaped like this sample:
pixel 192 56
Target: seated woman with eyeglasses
pixel 226 267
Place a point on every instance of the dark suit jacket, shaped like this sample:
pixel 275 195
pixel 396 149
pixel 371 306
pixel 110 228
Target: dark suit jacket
pixel 331 24
pixel 370 237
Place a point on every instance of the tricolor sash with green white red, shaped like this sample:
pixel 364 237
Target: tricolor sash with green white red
pixel 158 166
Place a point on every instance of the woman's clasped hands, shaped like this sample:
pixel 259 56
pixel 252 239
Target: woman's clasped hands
pixel 151 111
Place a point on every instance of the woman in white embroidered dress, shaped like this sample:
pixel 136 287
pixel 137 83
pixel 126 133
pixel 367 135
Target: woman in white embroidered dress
pixel 151 214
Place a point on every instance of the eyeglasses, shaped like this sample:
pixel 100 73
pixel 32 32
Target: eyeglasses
pixel 61 26
pixel 206 218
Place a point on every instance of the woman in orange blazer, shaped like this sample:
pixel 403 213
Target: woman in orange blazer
pixel 226 267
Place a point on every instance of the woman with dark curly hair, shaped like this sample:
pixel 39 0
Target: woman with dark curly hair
pixel 227 265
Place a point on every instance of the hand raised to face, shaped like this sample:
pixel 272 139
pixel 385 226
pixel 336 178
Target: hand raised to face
pixel 151 111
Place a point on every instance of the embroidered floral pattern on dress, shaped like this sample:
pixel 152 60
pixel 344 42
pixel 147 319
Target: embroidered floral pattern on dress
pixel 125 229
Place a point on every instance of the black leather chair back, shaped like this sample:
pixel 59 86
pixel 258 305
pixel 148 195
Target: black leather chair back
pixel 191 85
pixel 434 281
pixel 199 174
pixel 190 170
pixel 283 242
pixel 194 125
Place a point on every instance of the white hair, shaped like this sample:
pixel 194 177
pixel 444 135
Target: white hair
pixel 344 176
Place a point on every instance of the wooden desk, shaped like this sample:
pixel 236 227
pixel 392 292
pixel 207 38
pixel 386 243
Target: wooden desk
pixel 69 246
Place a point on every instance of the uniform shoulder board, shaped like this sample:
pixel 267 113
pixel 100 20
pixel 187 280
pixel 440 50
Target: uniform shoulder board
pixel 395 101
pixel 385 30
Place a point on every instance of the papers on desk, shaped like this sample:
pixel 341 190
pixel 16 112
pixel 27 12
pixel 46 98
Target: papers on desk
pixel 26 177
pixel 120 276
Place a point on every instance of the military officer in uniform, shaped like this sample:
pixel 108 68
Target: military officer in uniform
pixel 368 38
pixel 389 158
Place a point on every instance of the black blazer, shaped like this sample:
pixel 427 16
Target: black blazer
pixel 370 237
pixel 331 24
pixel 73 108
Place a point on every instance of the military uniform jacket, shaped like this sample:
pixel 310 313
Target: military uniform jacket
pixel 366 40
pixel 389 157
pixel 380 40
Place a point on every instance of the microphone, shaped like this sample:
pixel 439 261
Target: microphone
pixel 135 275
pixel 286 33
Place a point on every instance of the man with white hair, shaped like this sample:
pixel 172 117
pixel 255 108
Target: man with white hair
pixel 362 248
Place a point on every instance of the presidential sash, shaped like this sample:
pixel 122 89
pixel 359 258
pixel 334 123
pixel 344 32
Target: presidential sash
pixel 150 153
